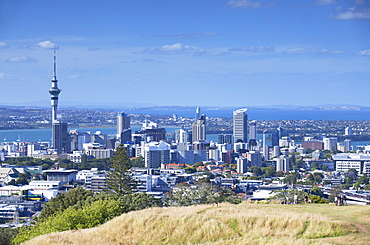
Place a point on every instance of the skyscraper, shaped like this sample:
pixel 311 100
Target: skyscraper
pixel 274 138
pixel 240 125
pixel 59 129
pixel 199 129
pixel 253 130
pixel 123 123
pixel 197 114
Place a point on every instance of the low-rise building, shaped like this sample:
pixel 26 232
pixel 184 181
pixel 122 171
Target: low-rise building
pixel 346 161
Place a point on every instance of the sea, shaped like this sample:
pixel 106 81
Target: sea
pixel 44 135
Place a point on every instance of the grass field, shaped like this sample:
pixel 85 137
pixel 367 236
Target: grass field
pixel 246 223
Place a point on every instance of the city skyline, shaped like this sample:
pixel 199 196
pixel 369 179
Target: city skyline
pixel 235 53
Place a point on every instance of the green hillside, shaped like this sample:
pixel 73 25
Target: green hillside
pixel 246 223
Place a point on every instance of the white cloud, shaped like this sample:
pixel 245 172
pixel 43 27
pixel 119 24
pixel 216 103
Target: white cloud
pixel 4 45
pixel 21 59
pixel 42 45
pixel 177 48
pixel 248 4
pixel 365 52
pixel 252 49
pixel 325 2
pixel 353 13
pixel 4 75
pixel 311 51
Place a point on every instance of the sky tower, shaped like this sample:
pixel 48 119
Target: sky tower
pixel 54 92
pixel 59 129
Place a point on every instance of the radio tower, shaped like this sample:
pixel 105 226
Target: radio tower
pixel 59 129
pixel 54 91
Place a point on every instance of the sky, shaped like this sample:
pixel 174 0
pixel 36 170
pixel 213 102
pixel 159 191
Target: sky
pixel 186 52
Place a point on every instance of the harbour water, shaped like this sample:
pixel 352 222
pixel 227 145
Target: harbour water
pixel 44 135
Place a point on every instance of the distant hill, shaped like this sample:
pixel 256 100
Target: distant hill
pixel 245 223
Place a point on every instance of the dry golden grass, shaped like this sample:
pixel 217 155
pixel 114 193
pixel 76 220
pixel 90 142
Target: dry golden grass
pixel 246 223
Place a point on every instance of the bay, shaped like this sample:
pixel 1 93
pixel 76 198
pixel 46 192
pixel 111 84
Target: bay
pixel 44 135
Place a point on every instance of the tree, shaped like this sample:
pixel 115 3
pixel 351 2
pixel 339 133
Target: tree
pixel 291 178
pixel 6 235
pixel 119 178
pixel 138 201
pixel 269 171
pixel 256 170
pixel 348 180
pixel 138 162
pixel 352 173
pixel 287 196
pixel 318 178
pixel 73 198
pixel 334 191
pixel 317 199
pixel 202 193
pixel 316 191
pixel 363 180
pixel 88 216
pixel 197 164
pixel 23 179
pixel 12 182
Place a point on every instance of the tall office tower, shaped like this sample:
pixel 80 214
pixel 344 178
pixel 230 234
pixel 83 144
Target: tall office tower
pixel 280 132
pixel 264 137
pixel 123 123
pixel 274 138
pixel 60 137
pixel 59 129
pixel 197 114
pixel 253 130
pixel 265 147
pixel 199 129
pixel 240 126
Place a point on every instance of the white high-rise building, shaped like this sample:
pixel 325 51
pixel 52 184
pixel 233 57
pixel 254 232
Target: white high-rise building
pixel 181 136
pixel 242 165
pixel 156 153
pixel 276 151
pixel 347 145
pixel 199 129
pixel 282 163
pixel 330 143
pixel 240 125
pixel 348 131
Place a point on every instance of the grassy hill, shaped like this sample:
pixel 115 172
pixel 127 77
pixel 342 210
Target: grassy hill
pixel 246 223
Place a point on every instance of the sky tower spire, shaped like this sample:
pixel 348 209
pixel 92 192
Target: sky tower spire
pixel 55 64
pixel 54 91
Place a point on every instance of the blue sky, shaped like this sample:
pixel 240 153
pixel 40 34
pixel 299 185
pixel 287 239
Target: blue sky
pixel 187 52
